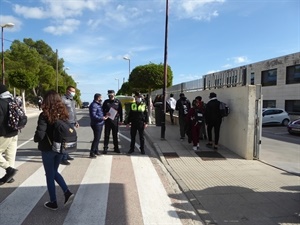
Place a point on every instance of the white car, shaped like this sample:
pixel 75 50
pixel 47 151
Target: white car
pixel 275 116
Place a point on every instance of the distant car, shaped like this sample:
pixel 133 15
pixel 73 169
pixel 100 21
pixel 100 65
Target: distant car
pixel 294 127
pixel 85 105
pixel 275 116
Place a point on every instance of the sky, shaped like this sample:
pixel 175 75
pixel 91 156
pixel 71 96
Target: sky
pixel 204 36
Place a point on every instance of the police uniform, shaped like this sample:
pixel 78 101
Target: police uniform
pixel 138 117
pixel 112 125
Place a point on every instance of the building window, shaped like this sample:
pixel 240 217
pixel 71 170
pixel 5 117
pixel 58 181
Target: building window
pixel 269 77
pixel 293 74
pixel 252 79
pixel 292 106
pixel 269 103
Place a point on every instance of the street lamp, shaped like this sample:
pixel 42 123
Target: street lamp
pixel 2 38
pixel 118 83
pixel 127 58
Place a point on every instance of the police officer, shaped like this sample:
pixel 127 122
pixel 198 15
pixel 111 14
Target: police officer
pixel 112 122
pixel 138 118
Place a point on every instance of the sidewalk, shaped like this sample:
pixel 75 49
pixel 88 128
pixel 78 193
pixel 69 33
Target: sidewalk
pixel 228 190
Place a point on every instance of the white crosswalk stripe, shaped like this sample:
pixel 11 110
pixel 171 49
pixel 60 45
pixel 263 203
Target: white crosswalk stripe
pixel 92 194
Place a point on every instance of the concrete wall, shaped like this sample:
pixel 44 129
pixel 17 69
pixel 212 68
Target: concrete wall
pixel 237 130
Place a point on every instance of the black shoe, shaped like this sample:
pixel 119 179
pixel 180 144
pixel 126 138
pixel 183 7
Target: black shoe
pixel 117 151
pixel 104 151
pixel 11 181
pixel 92 155
pixel 70 158
pixel 10 172
pixel 209 145
pixel 143 152
pixel 130 151
pixel 97 153
pixel 51 205
pixel 69 196
pixel 65 162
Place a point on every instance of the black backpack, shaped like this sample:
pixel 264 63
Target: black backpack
pixel 64 137
pixel 16 116
pixel 224 109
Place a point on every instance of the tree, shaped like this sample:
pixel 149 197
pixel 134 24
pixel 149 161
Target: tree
pixel 149 77
pixel 125 89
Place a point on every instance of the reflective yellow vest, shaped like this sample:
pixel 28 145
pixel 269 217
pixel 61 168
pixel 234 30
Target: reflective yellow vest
pixel 139 108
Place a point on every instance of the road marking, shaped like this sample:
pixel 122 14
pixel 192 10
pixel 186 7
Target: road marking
pixel 90 203
pixel 24 143
pixel 153 197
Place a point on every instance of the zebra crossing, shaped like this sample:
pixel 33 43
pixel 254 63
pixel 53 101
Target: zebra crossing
pixel 111 189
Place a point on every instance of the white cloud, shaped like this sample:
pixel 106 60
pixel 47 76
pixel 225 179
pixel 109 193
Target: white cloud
pixel 240 59
pixel 66 27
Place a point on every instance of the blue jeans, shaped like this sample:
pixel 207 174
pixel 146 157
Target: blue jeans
pixel 51 161
pixel 97 130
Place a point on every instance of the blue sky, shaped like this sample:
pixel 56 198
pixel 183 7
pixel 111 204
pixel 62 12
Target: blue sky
pixel 93 36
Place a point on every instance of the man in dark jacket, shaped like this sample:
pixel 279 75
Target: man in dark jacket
pixel 112 105
pixel 213 119
pixel 97 122
pixel 138 118
pixel 183 105
pixel 8 138
pixel 68 100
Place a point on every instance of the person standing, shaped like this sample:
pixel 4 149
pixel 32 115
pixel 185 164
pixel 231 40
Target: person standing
pixel 213 119
pixel 201 107
pixel 40 101
pixel 68 100
pixel 52 109
pixel 172 103
pixel 183 105
pixel 97 122
pixel 8 138
pixel 112 124
pixel 138 119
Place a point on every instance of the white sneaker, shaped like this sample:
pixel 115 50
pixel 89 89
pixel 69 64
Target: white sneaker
pixel 195 148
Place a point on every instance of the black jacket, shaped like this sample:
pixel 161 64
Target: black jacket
pixel 117 105
pixel 43 129
pixel 136 116
pixel 5 131
pixel 212 112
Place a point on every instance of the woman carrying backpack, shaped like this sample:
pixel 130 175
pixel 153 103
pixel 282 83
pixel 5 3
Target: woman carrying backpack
pixel 52 109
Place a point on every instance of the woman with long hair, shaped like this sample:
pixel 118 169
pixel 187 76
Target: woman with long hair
pixel 52 109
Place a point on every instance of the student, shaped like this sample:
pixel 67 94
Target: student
pixel 8 138
pixel 183 105
pixel 52 109
pixel 213 119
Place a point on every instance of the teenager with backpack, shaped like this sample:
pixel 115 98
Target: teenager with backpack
pixel 53 109
pixel 182 105
pixel 8 138
pixel 213 119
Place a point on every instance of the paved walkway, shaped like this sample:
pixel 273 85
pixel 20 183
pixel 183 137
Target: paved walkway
pixel 224 188
pixel 228 190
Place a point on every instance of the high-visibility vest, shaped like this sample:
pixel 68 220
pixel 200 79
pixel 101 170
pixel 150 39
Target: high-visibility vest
pixel 139 108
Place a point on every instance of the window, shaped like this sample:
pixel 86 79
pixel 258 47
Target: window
pixel 292 106
pixel 252 79
pixel 269 103
pixel 293 74
pixel 269 77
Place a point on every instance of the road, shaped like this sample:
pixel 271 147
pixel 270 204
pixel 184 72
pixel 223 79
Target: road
pixel 280 149
pixel 112 189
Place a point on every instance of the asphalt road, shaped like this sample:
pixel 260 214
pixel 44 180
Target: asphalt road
pixel 111 189
pixel 280 149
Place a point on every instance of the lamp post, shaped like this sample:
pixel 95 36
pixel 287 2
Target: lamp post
pixel 118 83
pixel 163 121
pixel 2 38
pixel 127 58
